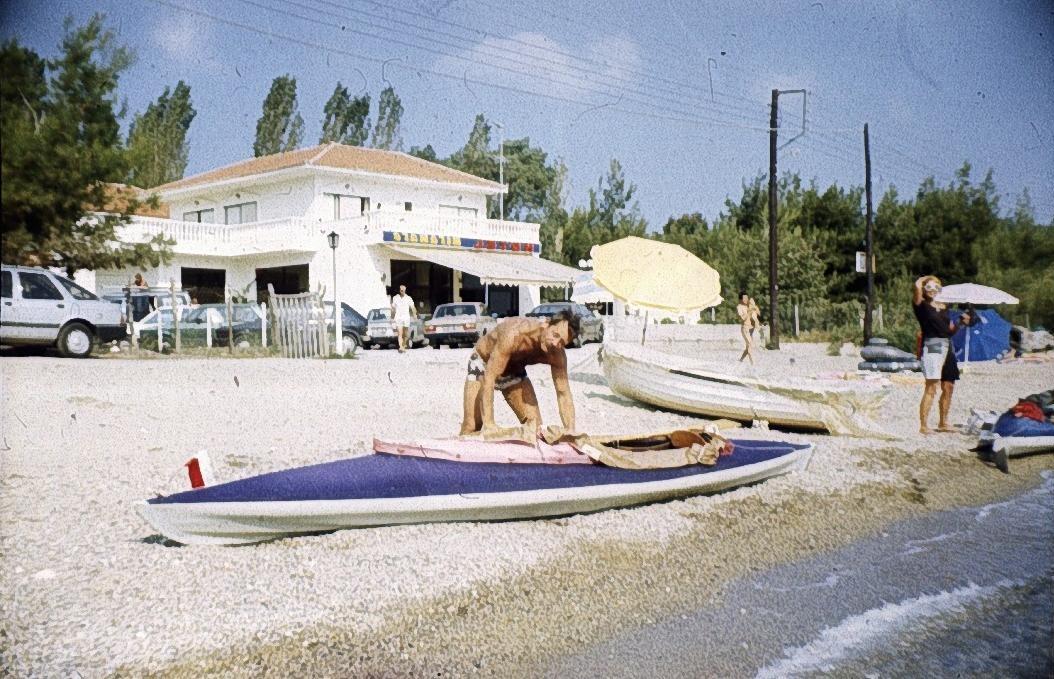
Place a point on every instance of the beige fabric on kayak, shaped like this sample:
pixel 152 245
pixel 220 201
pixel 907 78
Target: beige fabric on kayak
pixel 658 450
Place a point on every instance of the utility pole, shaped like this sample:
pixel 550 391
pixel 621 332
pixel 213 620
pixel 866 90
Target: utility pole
pixel 869 266
pixel 774 286
pixel 501 170
pixel 774 332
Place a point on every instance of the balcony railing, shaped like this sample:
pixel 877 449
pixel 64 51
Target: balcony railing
pixel 435 224
pixel 296 234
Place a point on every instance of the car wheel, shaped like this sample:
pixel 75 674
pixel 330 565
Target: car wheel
pixel 76 341
pixel 351 343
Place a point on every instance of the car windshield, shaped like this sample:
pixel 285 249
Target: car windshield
pixel 76 291
pixel 348 314
pixel 380 314
pixel 456 310
pixel 197 314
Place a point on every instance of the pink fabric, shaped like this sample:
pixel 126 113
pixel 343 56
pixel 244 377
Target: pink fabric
pixel 464 450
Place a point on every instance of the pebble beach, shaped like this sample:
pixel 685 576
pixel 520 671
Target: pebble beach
pixel 91 590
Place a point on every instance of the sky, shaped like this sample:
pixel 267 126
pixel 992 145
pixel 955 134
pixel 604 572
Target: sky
pixel 679 91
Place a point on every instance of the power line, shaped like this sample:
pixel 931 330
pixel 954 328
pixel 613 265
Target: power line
pixel 577 85
pixel 453 77
pixel 494 52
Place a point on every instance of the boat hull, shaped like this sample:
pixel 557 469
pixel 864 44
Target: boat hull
pixel 292 503
pixel 1016 446
pixel 713 396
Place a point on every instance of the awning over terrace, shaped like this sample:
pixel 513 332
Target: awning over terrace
pixel 496 268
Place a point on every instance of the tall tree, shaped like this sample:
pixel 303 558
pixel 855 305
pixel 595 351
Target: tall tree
pixel 280 127
pixel 387 133
pixel 346 120
pixel 427 153
pixel 475 156
pixel 157 140
pixel 61 146
pixel 554 214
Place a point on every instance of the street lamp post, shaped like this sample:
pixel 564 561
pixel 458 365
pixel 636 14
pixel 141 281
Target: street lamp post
pixel 338 329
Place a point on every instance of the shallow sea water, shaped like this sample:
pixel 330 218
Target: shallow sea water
pixel 958 593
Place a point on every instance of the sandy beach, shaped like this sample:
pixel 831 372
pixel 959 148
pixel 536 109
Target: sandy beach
pixel 90 588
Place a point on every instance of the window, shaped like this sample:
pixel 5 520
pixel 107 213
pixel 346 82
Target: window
pixel 408 206
pixel 348 207
pixel 38 286
pixel 5 284
pixel 243 213
pixel 208 216
pixel 454 212
pixel 76 291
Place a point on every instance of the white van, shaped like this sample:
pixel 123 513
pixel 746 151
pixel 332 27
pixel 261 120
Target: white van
pixel 44 308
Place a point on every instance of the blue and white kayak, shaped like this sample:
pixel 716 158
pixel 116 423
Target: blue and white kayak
pixel 381 489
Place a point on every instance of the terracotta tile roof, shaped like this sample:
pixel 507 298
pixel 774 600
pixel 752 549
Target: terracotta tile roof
pixel 340 156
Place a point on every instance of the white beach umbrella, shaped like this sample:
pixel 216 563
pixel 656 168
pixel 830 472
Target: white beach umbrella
pixel 972 293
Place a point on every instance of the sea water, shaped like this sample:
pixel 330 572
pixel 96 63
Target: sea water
pixel 963 592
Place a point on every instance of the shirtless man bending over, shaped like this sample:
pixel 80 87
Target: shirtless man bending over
pixel 499 362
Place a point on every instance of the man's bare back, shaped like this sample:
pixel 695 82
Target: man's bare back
pixel 499 361
pixel 524 347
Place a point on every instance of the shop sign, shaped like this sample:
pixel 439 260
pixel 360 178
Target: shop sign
pixel 457 242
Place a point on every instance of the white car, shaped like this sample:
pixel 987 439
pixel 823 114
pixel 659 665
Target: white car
pixel 43 308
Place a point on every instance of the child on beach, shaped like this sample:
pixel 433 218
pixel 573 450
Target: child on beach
pixel 750 318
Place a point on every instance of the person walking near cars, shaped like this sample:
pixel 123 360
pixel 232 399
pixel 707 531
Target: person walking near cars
pixel 750 319
pixel 403 313
pixel 938 360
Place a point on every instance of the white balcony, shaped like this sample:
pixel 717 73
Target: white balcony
pixel 297 234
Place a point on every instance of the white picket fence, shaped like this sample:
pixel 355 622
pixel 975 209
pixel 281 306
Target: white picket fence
pixel 299 324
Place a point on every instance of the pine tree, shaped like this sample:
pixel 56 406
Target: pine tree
pixel 386 133
pixel 280 127
pixel 157 140
pixel 62 146
pixel 346 120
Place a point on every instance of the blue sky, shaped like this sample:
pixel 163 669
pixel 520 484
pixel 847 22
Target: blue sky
pixel 677 90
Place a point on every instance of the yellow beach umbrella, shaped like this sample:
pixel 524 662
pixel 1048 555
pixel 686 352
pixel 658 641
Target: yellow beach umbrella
pixel 652 274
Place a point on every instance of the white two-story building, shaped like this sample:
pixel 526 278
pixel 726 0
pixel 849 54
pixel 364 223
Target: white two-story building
pixel 400 221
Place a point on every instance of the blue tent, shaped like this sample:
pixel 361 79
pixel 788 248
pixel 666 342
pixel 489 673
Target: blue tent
pixel 987 340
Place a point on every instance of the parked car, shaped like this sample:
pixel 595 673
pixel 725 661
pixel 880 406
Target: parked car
pixel 383 333
pixel 458 323
pixel 44 308
pixel 246 323
pixel 592 325
pixel 353 324
pixel 137 303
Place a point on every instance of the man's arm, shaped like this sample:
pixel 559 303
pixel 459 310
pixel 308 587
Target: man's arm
pixel 413 308
pixel 496 364
pixel 563 392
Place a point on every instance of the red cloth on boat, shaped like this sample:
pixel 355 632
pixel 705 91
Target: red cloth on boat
pixel 1029 410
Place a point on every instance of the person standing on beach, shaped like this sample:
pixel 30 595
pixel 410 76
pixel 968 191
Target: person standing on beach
pixel 403 313
pixel 938 359
pixel 750 319
pixel 499 361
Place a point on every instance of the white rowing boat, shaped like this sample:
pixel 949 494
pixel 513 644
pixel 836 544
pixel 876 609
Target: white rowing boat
pixel 672 382
pixel 1016 446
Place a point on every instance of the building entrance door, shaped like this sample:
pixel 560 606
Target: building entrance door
pixel 204 285
pixel 287 280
